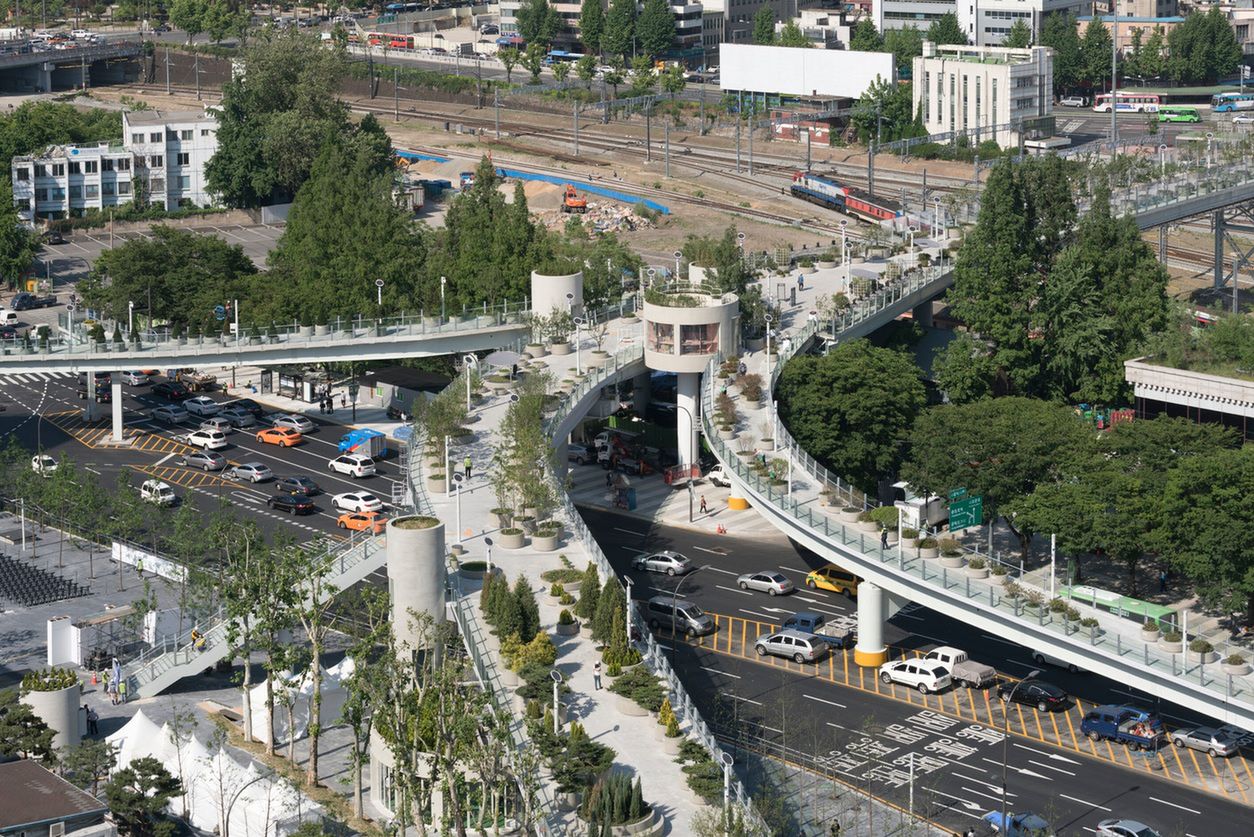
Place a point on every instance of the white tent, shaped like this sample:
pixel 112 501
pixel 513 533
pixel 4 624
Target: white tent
pixel 333 697
pixel 260 805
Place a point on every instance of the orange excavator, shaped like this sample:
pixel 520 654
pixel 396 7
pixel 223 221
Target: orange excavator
pixel 572 202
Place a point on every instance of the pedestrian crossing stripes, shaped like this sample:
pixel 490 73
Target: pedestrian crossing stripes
pixel 38 377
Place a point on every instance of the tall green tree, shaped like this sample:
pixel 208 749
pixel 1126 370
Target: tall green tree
pixel 189 15
pixel 655 29
pixel 586 69
pixel 885 112
pixel 591 25
pixel 764 25
pixel 947 30
pixel 673 81
pixel 509 57
pixel 1203 48
pixel 138 794
pixel 33 126
pixel 88 763
pixel 1095 55
pixel 852 408
pixel 18 244
pixel 23 734
pixel 277 112
pixel 643 78
pixel 538 22
pixel 1151 63
pixel 905 44
pixel 1059 32
pixel 1019 36
pixel 620 28
pixel 865 37
pixel 533 60
pixel 790 35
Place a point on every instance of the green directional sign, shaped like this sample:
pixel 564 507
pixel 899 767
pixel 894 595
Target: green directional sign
pixel 965 513
pixel 957 494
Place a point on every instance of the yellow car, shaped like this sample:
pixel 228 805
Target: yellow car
pixel 833 578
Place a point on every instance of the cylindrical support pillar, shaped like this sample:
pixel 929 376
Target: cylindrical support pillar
pixel 1219 247
pixel 922 314
pixel 61 711
pixel 415 552
pixel 870 651
pixel 561 454
pixel 117 406
pixel 641 393
pixel 688 393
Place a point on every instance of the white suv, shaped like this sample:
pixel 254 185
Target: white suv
pixel 207 439
pixel 353 464
pixel 924 675
pixel 202 405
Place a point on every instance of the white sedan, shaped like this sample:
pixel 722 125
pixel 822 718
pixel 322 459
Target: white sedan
pixel 294 422
pixel 1243 119
pixel 357 501
pixel 202 405
pixel 774 583
pixel 43 464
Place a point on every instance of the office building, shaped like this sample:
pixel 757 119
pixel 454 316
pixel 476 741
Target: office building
pixel 985 22
pixel 171 151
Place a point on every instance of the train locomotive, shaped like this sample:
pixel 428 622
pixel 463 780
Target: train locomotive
pixel 827 192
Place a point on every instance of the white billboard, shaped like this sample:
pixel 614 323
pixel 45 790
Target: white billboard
pixel 792 71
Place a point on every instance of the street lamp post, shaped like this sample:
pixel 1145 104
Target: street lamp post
pixel 692 431
pixel 843 225
pixel 457 488
pixel 936 216
pixel 557 682
pixel 130 317
pixel 910 232
pixel 1162 160
pixel 378 287
pixel 487 543
pixel 768 319
pixel 579 321
pixel 469 362
pixel 627 613
pixel 443 282
pixel 1005 741
pixel 678 254
pixel 727 761
pixel 675 593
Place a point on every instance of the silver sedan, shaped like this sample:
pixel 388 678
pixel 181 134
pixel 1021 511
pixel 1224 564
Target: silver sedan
pixel 776 584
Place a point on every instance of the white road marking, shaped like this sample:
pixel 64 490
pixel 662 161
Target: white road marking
pixel 721 570
pixel 828 702
pixel 746 700
pixel 1174 805
pixel 1049 755
pixel 908 616
pixel 981 781
pixel 720 553
pixel 1022 770
pixel 1050 767
pixel 166 458
pixel 755 613
pixel 985 795
pixel 716 671
pixel 837 726
pixel 1083 802
pixel 966 803
pixel 998 639
pixel 793 570
pixel 631 532
pixel 734 590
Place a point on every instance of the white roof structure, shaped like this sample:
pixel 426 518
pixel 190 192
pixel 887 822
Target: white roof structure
pixel 333 697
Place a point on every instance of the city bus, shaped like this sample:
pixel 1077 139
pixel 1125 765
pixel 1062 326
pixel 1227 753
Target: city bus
pixel 1224 102
pixel 1128 102
pixel 1177 113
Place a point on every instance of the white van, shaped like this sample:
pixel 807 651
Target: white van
pixel 158 492
pixel 9 318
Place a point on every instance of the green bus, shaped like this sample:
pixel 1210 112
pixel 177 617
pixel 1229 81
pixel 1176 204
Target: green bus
pixel 1176 113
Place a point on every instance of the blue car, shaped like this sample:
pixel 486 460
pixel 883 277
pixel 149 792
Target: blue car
pixel 1024 824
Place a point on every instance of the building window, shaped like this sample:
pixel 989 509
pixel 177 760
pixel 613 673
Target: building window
pixel 964 103
pixel 204 132
pixel 699 339
pixel 23 174
pixel 108 187
pixel 170 136
pixel 157 184
pixel 58 169
pixel 927 85
pixel 91 190
pixel 185 182
pixel 74 167
pixel 184 158
pixel 124 164
pixel 91 166
pixel 996 113
pixel 41 194
pixel 40 170
pixel 187 134
pixel 156 161
pixel 952 86
pixel 662 338
pixel 106 164
pixel 155 136
pixel 76 192
pixel 124 188
pixel 977 102
pixel 137 138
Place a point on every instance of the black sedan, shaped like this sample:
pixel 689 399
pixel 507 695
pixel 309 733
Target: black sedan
pixel 297 485
pixel 171 391
pixel 1046 697
pixel 292 503
pixel 247 405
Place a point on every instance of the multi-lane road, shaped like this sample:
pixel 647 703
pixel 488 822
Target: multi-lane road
pixel 45 412
pixel 835 718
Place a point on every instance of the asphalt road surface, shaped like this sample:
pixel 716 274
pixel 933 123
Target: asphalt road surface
pixel 834 718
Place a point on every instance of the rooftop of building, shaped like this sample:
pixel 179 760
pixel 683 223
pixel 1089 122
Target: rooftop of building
pixel 1122 19
pixel 980 54
pixel 66 151
pixel 30 795
pixel 164 117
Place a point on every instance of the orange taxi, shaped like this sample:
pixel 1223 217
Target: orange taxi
pixel 282 436
pixel 362 522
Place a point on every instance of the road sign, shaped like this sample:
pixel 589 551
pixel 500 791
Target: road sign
pixel 219 312
pixel 957 494
pixel 966 513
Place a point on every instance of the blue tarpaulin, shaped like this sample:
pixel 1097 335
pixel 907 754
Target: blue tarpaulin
pixel 414 155
pixel 586 187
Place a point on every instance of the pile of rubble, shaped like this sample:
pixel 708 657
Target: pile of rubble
pixel 602 217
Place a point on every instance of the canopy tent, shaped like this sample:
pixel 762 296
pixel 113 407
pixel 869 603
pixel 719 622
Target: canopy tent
pixel 301 689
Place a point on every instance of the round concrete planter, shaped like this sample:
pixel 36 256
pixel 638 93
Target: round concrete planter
pixel 430 322
pixel 472 575
pixel 560 349
pixel 322 330
pixel 1150 636
pixel 568 801
pixel 727 433
pixel 509 677
pixel 929 552
pixel 629 707
pixel 649 826
pixel 512 540
pixel 824 264
pixel 435 486
pixel 848 514
pixel 546 543
pixel 568 630
pixel 869 526
pixel 500 520
pixel 909 543
pixel 1207 657
pixel 805 270
pixel 306 331
pixel 1170 647
pixel 670 746
pixel 536 349
pixel 952 562
pixel 976 572
pixel 1238 670
pixel 59 710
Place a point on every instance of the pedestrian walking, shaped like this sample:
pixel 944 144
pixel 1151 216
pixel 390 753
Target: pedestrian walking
pixel 703 509
pixel 883 539
pixel 93 721
pixel 1162 581
pixel 139 566
pixel 596 675
pixel 122 691
pixel 742 369
pixel 113 692
pixel 801 283
pixel 343 401
pixel 466 466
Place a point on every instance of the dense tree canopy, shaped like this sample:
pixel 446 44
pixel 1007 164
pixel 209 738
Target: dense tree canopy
pixel 1203 49
pixel 138 794
pixel 538 22
pixel 18 244
pixel 1060 33
pixel 591 25
pixel 905 44
pixel 852 408
pixel 764 25
pixel 620 28
pixel 1095 55
pixel 1019 36
pixel 790 35
pixel 33 126
pixel 277 112
pixel 885 111
pixel 655 29
pixel 865 37
pixel 947 30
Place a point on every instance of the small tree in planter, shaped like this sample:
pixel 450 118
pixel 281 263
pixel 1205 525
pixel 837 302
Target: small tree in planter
pixel 117 335
pixel 619 652
pixel 589 591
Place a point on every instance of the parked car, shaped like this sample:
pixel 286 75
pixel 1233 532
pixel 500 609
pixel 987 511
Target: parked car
pixel 205 460
pixel 580 454
pixel 718 476
pixel 357 501
pixel 292 503
pixel 362 522
pixel 353 464
pixel 298 485
pixel 43 464
pixel 134 379
pixel 834 579
pixel 1125 828
pixel 1207 739
pixel 293 422
pixel 795 645
pixel 172 414
pixel 678 615
pixel 774 583
pixel 1073 101
pixel 1022 824
pixel 206 439
pixel 962 669
pixel 248 405
pixel 924 675
pixel 157 492
pixel 241 419
pixel 284 437
pixel 1046 697
pixel 252 471
pixel 838 631
pixel 667 561
pixel 1125 724
pixel 1243 119
pixel 171 391
pixel 202 405
pixel 1041 658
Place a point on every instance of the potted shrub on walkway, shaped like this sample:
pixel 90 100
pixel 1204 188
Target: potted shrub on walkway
pixel 567 625
pixel 1202 651
pixel 547 536
pixel 1149 630
pixel 1171 642
pixel 977 568
pixel 929 548
pixel 638 692
pixel 511 538
pixel 616 806
pixel 1235 665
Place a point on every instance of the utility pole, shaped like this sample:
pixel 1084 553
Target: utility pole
pixel 752 113
pixel 396 94
pixel 83 70
pixel 496 110
pixel 737 143
pixel 197 68
pixel 807 149
pixel 870 170
pixel 1114 78
pixel 167 71
pixel 648 131
pixel 666 140
pixel 574 115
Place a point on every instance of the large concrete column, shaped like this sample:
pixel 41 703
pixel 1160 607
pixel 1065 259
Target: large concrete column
pixel 415 550
pixel 117 407
pixel 870 650
pixel 561 456
pixel 687 396
pixel 61 711
pixel 641 394
pixel 922 314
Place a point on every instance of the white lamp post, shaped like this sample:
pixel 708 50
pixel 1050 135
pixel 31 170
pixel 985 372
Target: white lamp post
pixel 130 317
pixel 727 760
pixel 378 287
pixel 579 322
pixel 843 225
pixel 768 349
pixel 457 489
pixel 443 282
pixel 910 232
pixel 557 682
pixel 469 362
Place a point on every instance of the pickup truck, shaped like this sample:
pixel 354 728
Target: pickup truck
pixel 1125 724
pixel 26 301
pixel 196 381
pixel 718 476
pixel 962 669
pixel 838 632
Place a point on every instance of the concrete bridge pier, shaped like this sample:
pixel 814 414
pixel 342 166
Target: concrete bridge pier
pixel 116 406
pixel 870 652
pixel 1228 220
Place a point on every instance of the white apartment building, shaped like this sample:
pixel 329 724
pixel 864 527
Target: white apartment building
pixel 826 29
pixel 687 21
pixel 986 22
pixel 161 156
pixel 983 89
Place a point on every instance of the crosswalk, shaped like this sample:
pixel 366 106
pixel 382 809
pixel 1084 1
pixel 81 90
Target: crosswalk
pixel 38 377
